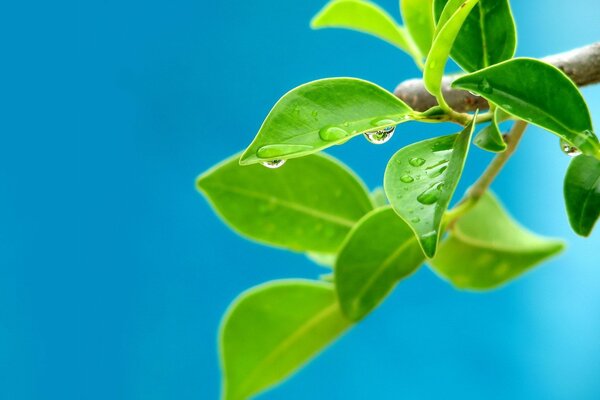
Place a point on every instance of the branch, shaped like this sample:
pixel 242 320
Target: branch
pixel 582 65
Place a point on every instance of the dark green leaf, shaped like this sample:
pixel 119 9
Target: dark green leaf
pixel 450 23
pixel 539 93
pixel 418 17
pixel 272 330
pixel 420 180
pixel 309 204
pixel 582 194
pixel 487 37
pixel 321 114
pixel 364 16
pixel 490 138
pixel 379 251
pixel 487 248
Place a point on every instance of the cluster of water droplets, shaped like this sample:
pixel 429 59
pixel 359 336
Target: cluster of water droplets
pixel 272 164
pixel 569 149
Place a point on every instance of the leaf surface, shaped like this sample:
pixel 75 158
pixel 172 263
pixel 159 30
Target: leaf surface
pixel 582 194
pixel 309 204
pixel 366 17
pixel 420 180
pixel 418 17
pixel 540 94
pixel 272 330
pixel 321 114
pixel 490 138
pixel 487 37
pixel 379 251
pixel 486 248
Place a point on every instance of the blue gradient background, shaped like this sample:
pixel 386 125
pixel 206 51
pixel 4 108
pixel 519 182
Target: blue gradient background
pixel 114 272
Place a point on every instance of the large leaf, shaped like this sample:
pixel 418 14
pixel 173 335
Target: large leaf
pixel 272 330
pixel 490 138
pixel 420 180
pixel 450 23
pixel 364 16
pixel 487 248
pixel 321 114
pixel 306 205
pixel 379 251
pixel 487 37
pixel 418 17
pixel 582 194
pixel 539 93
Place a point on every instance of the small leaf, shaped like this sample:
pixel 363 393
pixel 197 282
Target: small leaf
pixel 540 94
pixel 450 23
pixel 272 330
pixel 379 251
pixel 420 180
pixel 418 17
pixel 582 194
pixel 490 138
pixel 326 260
pixel 487 37
pixel 309 204
pixel 487 248
pixel 321 114
pixel 378 197
pixel 366 17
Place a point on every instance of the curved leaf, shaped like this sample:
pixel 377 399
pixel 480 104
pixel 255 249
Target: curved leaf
pixel 450 23
pixel 272 330
pixel 379 251
pixel 321 114
pixel 490 138
pixel 420 180
pixel 326 260
pixel 306 205
pixel 488 35
pixel 582 194
pixel 539 93
pixel 487 248
pixel 418 17
pixel 366 17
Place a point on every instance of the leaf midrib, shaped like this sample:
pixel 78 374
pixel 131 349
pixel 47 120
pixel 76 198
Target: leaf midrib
pixel 457 233
pixel 587 199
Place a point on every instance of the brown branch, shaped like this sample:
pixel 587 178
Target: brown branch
pixel 582 65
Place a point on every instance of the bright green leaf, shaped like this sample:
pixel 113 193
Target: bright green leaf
pixel 420 180
pixel 445 35
pixel 540 94
pixel 487 248
pixel 379 251
pixel 418 17
pixel 308 204
pixel 321 114
pixel 487 37
pixel 272 330
pixel 490 138
pixel 582 194
pixel 378 197
pixel 326 260
pixel 366 17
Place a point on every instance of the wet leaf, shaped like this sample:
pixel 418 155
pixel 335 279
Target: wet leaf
pixel 582 194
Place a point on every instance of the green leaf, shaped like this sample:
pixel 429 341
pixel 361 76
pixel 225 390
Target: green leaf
pixel 418 17
pixel 379 251
pixel 487 248
pixel 326 260
pixel 272 330
pixel 490 138
pixel 539 93
pixel 420 180
pixel 321 114
pixel 378 197
pixel 366 17
pixel 309 204
pixel 450 23
pixel 488 35
pixel 582 194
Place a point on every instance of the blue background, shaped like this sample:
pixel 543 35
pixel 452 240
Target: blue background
pixel 114 272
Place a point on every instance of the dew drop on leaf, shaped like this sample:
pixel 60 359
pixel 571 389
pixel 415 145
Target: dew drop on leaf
pixel 431 195
pixel 273 163
pixel 332 133
pixel 416 161
pixel 568 149
pixel 407 179
pixel 416 220
pixel 485 87
pixel 380 136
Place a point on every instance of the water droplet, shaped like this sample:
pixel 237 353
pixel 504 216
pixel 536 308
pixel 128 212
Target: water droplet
pixel 332 133
pixel 407 179
pixel 431 195
pixel 415 220
pixel 416 161
pixel 474 94
pixel 437 164
pixel 275 151
pixel 273 163
pixel 438 172
pixel 380 136
pixel 485 87
pixel 568 149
